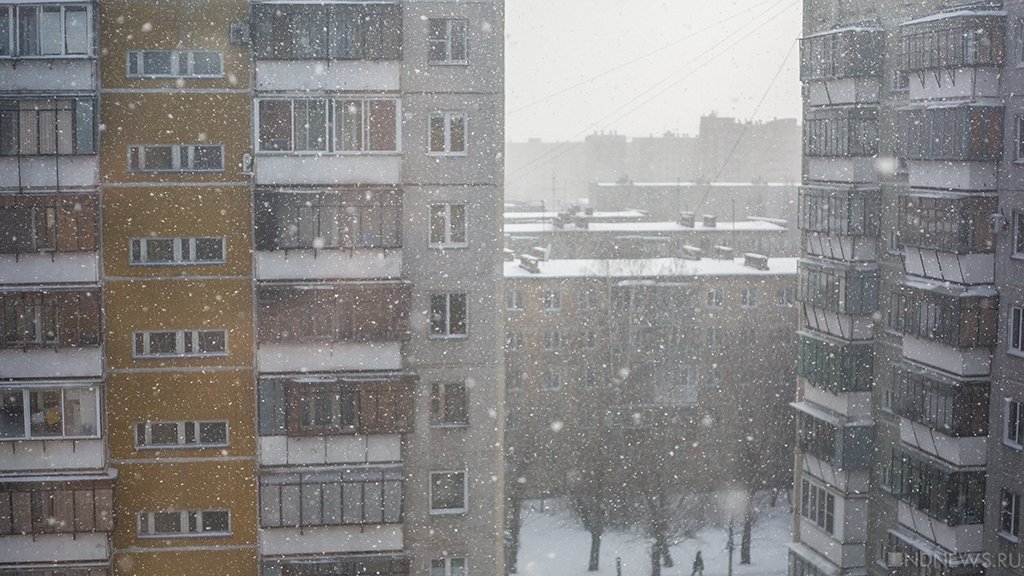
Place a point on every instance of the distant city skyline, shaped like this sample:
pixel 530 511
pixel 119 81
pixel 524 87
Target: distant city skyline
pixel 647 67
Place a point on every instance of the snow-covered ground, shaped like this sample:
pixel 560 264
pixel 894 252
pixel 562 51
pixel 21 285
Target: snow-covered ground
pixel 553 544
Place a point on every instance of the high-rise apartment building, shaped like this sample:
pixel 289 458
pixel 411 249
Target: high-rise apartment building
pixel 909 428
pixel 297 265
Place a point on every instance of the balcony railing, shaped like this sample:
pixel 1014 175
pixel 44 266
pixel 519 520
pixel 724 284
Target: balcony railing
pixel 841 132
pixel 953 407
pixel 368 218
pixel 955 39
pixel 72 507
pixel 834 366
pixel 58 319
pixel 949 495
pixel 850 52
pixel 961 318
pixel 954 223
pixel 837 287
pixel 47 127
pixel 848 446
pixel 334 312
pixel 359 403
pixel 337 498
pixel 51 223
pixel 839 211
pixel 318 31
pixel 969 132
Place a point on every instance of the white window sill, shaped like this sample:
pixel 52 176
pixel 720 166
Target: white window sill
pixel 448 62
pixel 1012 445
pixel 166 264
pixel 448 337
pixel 449 425
pixel 197 535
pixel 48 438
pixel 447 512
pixel 182 447
pixel 177 356
pixel 447 154
pixel 1007 536
pixel 339 153
pixel 1016 353
pixel 453 246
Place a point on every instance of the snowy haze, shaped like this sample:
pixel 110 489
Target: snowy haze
pixel 643 67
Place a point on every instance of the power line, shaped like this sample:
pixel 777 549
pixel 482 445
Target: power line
pixel 561 149
pixel 638 58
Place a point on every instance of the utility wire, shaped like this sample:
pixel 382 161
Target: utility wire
pixel 746 127
pixel 637 59
pixel 562 149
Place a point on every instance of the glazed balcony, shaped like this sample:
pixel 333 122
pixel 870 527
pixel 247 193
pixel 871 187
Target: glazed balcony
pixel 950 315
pixel 846 444
pixel 48 142
pixel 946 236
pixel 955 53
pixel 49 238
pixel 839 222
pixel 50 334
pixel 850 290
pixel 841 66
pixel 835 365
pixel 343 234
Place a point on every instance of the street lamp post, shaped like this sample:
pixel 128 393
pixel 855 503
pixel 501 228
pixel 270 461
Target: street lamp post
pixel 730 545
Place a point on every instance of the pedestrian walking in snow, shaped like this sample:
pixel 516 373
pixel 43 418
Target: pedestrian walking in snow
pixel 698 565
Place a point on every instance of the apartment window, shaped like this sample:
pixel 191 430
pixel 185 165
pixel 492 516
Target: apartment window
pixel 54 30
pixel 447 41
pixel 347 498
pixel 818 506
pixel 57 319
pixel 513 341
pixel 30 223
pixel 1009 515
pixel 158 251
pixel 513 299
pixel 951 133
pixel 30 508
pixel 1020 138
pixel 47 127
pixel 513 379
pixel 448 492
pixel 181 343
pixel 552 301
pixel 748 298
pixel 49 413
pixel 550 379
pixel 553 341
pixel 448 315
pixel 181 434
pixel 322 409
pixel 447 225
pixel 716 297
pixel 785 296
pixel 175 64
pixel 190 523
pixel 588 300
pixel 447 134
pixel 448 567
pixel 841 132
pixel 954 497
pixel 363 312
pixel 176 158
pixel 1016 330
pixel 1013 424
pixel 449 404
pixel 303 125
pixel 296 31
pixel 1018 234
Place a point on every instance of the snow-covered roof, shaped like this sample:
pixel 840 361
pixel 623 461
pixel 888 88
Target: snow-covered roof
pixel 595 215
pixel 845 29
pixel 639 227
pixel 977 13
pixel 649 267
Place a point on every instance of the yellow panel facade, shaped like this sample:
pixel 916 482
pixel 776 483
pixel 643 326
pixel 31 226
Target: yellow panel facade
pixel 187 563
pixel 176 213
pixel 171 25
pixel 180 305
pixel 177 396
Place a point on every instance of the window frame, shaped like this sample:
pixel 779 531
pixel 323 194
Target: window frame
pixel 332 138
pixel 748 298
pixel 73 119
pixel 137 158
pixel 13 48
pixel 552 341
pixel 178 248
pixel 445 565
pixel 149 518
pixel 1009 515
pixel 1017 249
pixel 552 300
pixel 146 430
pixel 513 300
pixel 441 397
pixel 434 511
pixel 446 333
pixel 549 376
pixel 26 407
pixel 818 505
pixel 1015 331
pixel 785 297
pixel 449 222
pixel 448 41
pixel 175 57
pixel 1013 424
pixel 448 117
pixel 180 335
pixel 715 298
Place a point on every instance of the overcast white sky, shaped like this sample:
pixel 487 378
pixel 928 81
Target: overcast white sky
pixel 643 67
